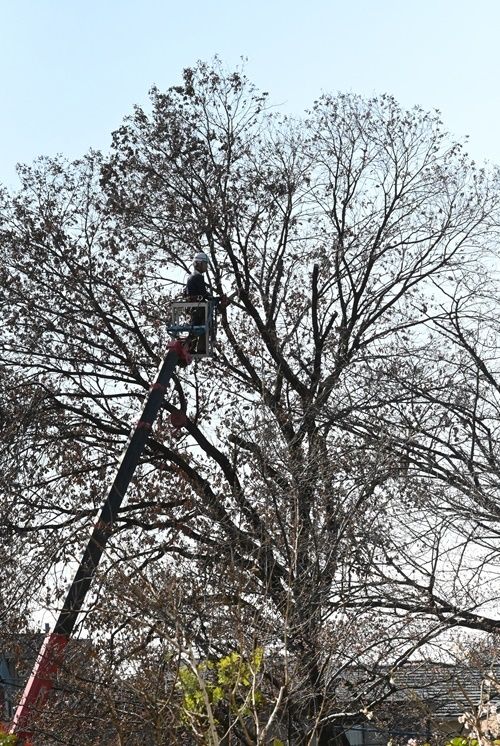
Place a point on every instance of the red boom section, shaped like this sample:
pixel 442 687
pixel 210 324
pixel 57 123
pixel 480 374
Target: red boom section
pixel 39 684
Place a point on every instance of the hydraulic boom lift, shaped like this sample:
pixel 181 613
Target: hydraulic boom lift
pixel 187 337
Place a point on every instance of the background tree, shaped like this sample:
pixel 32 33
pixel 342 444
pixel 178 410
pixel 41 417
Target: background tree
pixel 332 498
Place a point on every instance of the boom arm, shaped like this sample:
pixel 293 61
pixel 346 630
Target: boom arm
pixel 52 653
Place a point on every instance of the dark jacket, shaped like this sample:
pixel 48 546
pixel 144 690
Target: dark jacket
pixel 195 286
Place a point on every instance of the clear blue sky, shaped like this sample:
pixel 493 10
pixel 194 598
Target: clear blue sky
pixel 72 69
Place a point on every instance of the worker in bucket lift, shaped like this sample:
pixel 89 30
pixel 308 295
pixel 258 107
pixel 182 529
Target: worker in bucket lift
pixel 196 290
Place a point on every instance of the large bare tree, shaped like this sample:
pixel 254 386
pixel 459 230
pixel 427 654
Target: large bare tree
pixel 332 499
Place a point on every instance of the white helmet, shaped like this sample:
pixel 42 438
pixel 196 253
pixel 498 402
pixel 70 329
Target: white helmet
pixel 200 257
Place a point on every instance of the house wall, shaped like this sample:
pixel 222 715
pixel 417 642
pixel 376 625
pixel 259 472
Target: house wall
pixel 7 685
pixel 367 734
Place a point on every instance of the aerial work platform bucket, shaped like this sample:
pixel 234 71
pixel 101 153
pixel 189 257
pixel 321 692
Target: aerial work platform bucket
pixel 195 321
